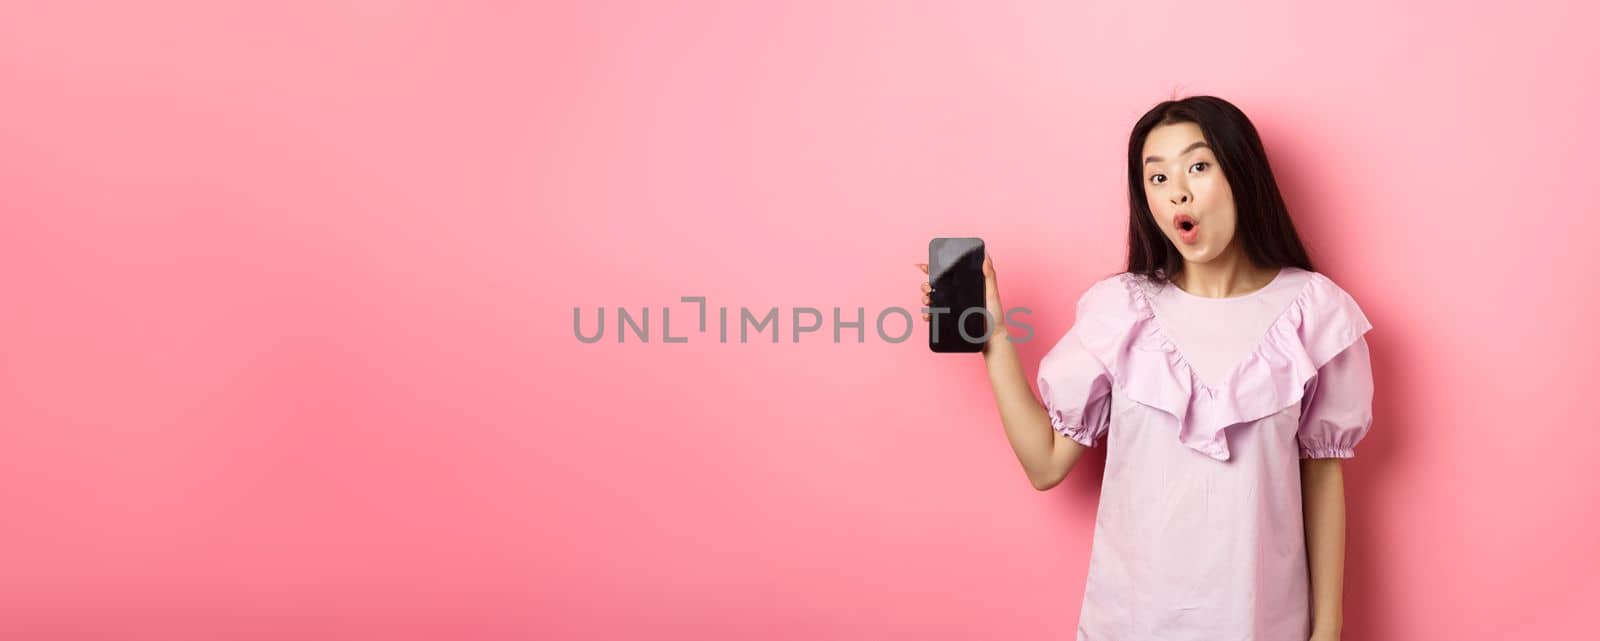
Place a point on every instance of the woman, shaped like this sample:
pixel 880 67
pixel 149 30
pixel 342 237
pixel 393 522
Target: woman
pixel 1228 380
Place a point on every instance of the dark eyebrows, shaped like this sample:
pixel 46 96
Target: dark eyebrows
pixel 1191 147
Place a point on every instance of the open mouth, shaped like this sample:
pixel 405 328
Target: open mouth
pixel 1184 222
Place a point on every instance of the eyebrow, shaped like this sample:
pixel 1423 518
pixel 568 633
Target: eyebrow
pixel 1191 147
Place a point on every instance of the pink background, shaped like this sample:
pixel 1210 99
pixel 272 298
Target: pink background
pixel 287 346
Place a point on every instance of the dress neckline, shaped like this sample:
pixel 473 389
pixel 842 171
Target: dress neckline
pixel 1170 345
pixel 1276 278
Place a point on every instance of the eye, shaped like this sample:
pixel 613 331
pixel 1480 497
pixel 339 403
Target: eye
pixel 1200 163
pixel 1153 177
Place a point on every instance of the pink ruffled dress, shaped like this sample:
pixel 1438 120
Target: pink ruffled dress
pixel 1206 406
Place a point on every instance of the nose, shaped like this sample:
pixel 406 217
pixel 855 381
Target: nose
pixel 1181 198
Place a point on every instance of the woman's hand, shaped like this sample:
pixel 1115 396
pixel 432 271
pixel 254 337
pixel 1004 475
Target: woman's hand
pixel 991 288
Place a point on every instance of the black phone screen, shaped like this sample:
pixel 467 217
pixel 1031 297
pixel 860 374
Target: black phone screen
pixel 955 270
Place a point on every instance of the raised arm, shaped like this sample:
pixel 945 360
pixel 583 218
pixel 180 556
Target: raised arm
pixel 1045 455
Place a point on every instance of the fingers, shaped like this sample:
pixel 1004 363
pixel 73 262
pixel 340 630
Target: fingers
pixel 926 288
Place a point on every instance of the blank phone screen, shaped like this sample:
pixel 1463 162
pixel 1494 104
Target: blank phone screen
pixel 955 270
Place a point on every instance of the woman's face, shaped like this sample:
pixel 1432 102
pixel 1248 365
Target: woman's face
pixel 1184 184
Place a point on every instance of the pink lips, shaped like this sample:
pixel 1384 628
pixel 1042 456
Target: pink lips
pixel 1191 235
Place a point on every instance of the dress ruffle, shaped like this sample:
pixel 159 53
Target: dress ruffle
pixel 1120 329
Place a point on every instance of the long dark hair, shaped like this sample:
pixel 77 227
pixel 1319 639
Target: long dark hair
pixel 1263 226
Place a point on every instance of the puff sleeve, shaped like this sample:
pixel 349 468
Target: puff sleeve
pixel 1337 412
pixel 1074 385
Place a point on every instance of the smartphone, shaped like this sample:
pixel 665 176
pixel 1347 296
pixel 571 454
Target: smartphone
pixel 957 320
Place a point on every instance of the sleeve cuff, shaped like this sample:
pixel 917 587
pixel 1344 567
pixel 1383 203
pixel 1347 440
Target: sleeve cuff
pixel 1326 451
pixel 1077 433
